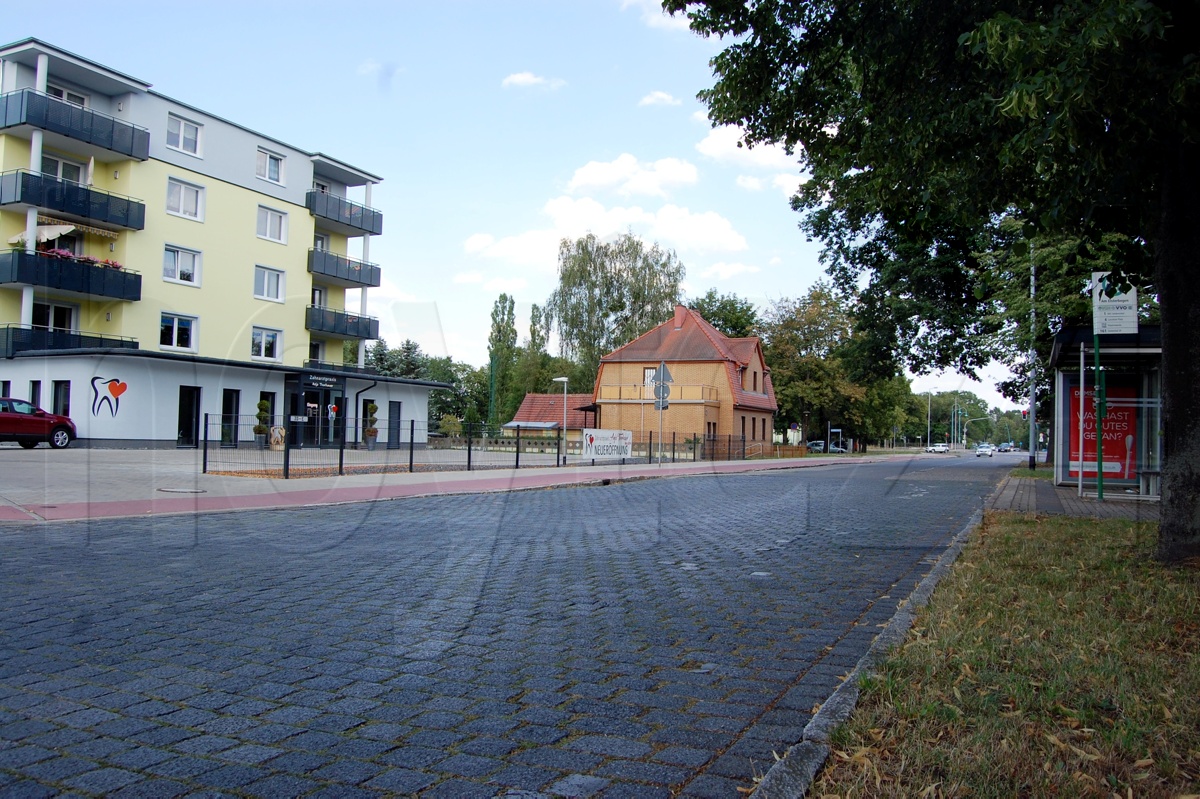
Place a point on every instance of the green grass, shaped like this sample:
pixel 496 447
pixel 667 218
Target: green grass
pixel 1056 659
pixel 1044 471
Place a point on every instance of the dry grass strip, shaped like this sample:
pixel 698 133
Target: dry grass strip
pixel 1057 659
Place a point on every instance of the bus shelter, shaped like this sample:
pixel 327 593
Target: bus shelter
pixel 1126 426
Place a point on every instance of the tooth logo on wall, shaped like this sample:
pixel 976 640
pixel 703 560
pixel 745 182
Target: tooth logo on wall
pixel 107 392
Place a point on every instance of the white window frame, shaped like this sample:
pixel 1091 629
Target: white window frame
pixel 183 187
pixel 61 161
pixel 264 216
pixel 261 334
pixel 181 145
pixel 280 283
pixel 66 94
pixel 321 242
pixel 193 331
pixel 196 263
pixel 262 166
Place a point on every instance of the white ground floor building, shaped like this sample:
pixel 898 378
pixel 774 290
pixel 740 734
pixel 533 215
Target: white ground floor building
pixel 133 398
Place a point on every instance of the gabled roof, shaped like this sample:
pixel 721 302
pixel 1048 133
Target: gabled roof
pixel 547 410
pixel 688 337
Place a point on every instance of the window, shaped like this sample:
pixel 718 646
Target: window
pixel 184 199
pixel 183 135
pixel 320 187
pixel 264 343
pixel 318 297
pixel 181 266
pixel 177 332
pixel 269 166
pixel 268 284
pixel 35 399
pixel 320 241
pixel 74 98
pixel 52 316
pixel 5 388
pixel 272 224
pixel 316 350
pixel 63 169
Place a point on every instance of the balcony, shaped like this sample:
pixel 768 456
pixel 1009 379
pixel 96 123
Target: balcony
pixel 73 200
pixel 342 216
pixel 640 393
pixel 16 338
pixel 339 324
pixel 71 275
pixel 50 114
pixel 338 270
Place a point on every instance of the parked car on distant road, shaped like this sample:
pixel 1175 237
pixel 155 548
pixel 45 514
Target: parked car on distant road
pixel 940 448
pixel 835 448
pixel 29 425
pixel 984 449
pixel 816 446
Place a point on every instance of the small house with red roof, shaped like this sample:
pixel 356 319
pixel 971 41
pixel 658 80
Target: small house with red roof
pixel 721 386
pixel 542 414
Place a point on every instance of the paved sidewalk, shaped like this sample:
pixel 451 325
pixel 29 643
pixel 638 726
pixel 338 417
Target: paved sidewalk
pixel 58 485
pixel 1034 495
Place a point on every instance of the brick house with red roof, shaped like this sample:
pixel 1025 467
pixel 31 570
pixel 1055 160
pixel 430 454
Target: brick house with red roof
pixel 722 386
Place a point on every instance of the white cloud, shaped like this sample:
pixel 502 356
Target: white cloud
pixel 721 145
pixel 653 15
pixel 629 176
pixel 506 285
pixel 529 79
pixel 659 98
pixel 725 271
pixel 681 229
pixel 788 182
pixel 478 242
pixel 749 183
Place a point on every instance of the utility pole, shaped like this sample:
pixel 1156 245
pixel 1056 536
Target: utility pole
pixel 1033 365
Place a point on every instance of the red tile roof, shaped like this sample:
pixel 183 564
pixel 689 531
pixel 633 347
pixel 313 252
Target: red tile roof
pixel 689 337
pixel 544 408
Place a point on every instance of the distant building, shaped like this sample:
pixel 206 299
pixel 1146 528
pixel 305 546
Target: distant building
pixel 721 386
pixel 166 263
pixel 542 414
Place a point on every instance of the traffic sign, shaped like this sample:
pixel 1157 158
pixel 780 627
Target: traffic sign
pixel 661 391
pixel 661 404
pixel 661 375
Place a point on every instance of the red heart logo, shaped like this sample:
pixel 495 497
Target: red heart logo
pixel 117 389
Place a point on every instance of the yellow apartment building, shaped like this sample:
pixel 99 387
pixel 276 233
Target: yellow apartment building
pixel 163 263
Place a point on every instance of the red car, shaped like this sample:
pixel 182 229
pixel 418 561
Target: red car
pixel 28 425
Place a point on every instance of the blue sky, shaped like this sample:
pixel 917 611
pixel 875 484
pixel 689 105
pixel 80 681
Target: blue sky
pixel 499 128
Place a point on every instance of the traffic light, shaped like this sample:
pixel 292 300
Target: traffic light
pixel 1025 415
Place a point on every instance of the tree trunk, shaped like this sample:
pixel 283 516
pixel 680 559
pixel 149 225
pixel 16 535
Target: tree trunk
pixel 1178 249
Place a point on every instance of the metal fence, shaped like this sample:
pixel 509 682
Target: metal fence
pixel 324 447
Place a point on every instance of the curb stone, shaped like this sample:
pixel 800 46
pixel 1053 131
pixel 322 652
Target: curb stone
pixel 792 776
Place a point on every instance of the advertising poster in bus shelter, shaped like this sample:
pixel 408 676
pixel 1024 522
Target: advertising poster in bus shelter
pixel 1119 430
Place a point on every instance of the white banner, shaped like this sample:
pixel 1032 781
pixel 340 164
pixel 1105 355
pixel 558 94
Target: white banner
pixel 607 443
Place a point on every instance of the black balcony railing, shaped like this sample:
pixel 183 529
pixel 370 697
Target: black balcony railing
pixel 78 275
pixel 343 216
pixel 28 107
pixel 17 338
pixel 71 199
pixel 351 368
pixel 343 271
pixel 340 324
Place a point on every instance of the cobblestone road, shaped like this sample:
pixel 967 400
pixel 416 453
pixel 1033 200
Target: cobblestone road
pixel 654 638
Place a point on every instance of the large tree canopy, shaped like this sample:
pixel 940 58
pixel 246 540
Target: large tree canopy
pixel 922 123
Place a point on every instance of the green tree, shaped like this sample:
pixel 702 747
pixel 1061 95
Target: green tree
pixel 502 353
pixel 729 313
pixel 920 123
pixel 609 293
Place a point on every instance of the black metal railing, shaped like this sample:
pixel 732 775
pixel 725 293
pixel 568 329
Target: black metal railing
pixel 19 338
pixel 78 275
pixel 29 107
pixel 350 218
pixel 72 199
pixel 340 324
pixel 342 270
pixel 350 368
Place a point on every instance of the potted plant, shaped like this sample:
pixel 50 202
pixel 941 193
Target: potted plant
pixel 371 432
pixel 261 429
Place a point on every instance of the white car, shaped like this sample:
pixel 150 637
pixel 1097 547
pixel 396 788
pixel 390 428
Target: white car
pixel 984 449
pixel 940 448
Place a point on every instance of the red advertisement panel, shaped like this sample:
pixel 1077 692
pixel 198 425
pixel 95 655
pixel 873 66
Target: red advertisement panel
pixel 1119 430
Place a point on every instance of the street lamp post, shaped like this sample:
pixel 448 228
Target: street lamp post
pixel 563 380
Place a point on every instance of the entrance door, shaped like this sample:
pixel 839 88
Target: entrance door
pixel 231 399
pixel 393 439
pixel 189 417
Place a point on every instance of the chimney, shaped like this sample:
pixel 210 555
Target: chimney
pixel 680 315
